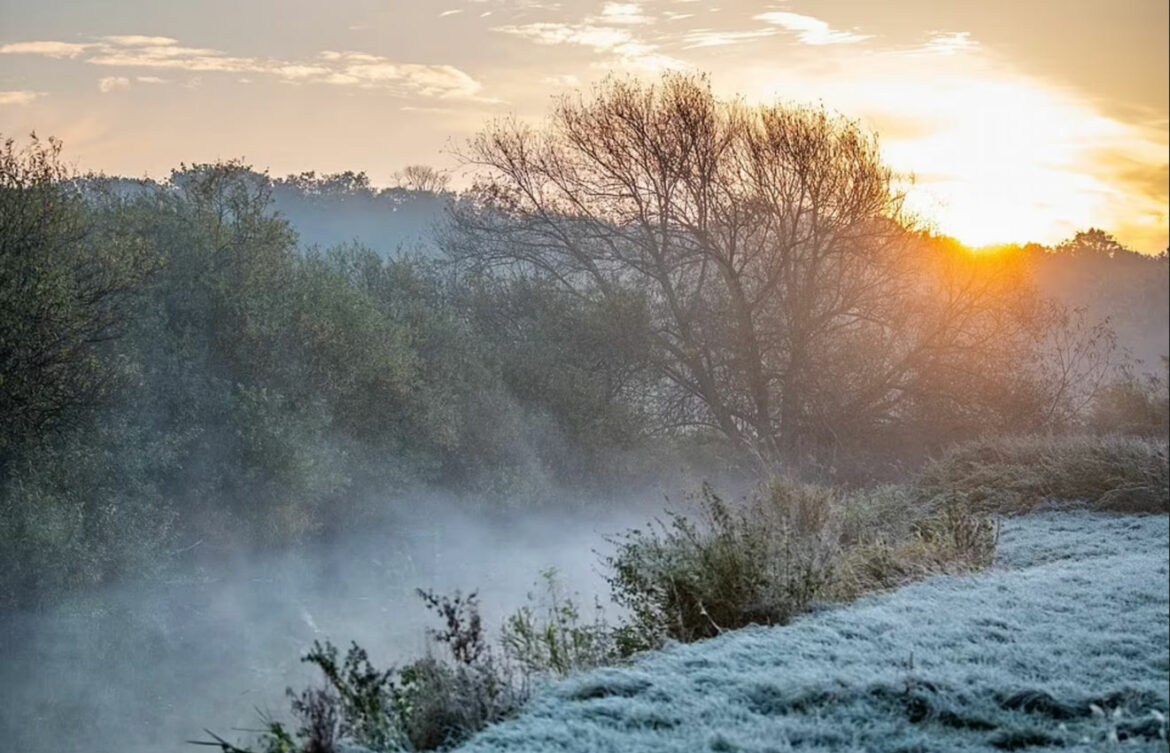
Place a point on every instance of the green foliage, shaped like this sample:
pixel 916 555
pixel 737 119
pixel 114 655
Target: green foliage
pixel 551 637
pixel 1019 474
pixel 282 386
pixel 357 702
pixel 760 564
pixel 65 285
pixel 789 546
pixel 429 704
pixel 83 508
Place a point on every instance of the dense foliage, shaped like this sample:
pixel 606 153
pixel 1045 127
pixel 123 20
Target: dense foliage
pixel 194 380
pixel 211 363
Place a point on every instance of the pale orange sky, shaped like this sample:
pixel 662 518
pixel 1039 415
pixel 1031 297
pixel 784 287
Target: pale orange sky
pixel 1021 121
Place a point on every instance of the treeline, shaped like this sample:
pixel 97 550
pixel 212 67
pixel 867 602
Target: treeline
pixel 659 278
pixel 178 373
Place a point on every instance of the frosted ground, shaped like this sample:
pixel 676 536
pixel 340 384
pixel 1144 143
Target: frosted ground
pixel 1064 643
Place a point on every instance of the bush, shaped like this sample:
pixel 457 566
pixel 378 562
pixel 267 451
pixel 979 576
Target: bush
pixel 760 564
pixel 1134 406
pixel 772 558
pixel 953 540
pixel 430 704
pixel 1017 475
pixel 83 509
pixel 550 638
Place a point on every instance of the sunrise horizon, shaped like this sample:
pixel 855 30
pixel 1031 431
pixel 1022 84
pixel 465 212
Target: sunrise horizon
pixel 1013 135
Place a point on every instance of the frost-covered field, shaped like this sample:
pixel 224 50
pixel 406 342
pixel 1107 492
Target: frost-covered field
pixel 1064 644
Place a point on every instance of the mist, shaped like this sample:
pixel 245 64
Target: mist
pixel 140 668
pixel 244 415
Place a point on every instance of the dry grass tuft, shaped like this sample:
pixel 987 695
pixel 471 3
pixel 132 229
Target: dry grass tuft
pixel 1018 475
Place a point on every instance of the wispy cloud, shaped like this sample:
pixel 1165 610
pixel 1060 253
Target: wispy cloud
pixel 584 34
pixel 810 30
pixel 711 38
pixel 47 49
pixel 138 40
pixel 624 13
pixel 563 80
pixel 113 83
pixel 373 71
pixel 948 43
pixel 18 97
pixel 624 48
pixel 356 69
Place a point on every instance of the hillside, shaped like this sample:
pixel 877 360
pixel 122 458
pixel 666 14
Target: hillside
pixel 1064 644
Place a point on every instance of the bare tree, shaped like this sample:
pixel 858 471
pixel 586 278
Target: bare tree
pixel 422 178
pixel 787 301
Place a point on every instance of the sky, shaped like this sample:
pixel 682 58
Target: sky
pixel 1018 121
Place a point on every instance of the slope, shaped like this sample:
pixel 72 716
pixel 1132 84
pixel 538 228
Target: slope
pixel 1064 643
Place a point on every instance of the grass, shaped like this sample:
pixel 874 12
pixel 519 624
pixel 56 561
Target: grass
pixel 787 550
pixel 1018 475
pixel 1064 643
pixel 787 547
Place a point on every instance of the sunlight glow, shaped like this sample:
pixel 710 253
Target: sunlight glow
pixel 996 157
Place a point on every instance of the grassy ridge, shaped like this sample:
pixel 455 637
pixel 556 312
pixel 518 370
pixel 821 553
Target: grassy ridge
pixel 789 549
pixel 1018 474
pixel 1065 646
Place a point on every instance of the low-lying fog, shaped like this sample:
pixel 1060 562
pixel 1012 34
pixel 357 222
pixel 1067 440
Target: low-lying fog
pixel 138 669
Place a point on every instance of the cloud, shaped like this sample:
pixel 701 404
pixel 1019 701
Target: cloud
pixel 46 49
pixel 627 50
pixel 18 97
pixel 452 12
pixel 356 69
pixel 113 83
pixel 150 80
pixel 563 80
pixel 624 13
pixel 586 35
pixel 137 40
pixel 373 71
pixel 811 30
pixel 948 43
pixel 709 38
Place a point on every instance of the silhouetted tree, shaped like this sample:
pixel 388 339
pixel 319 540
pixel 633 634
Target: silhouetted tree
pixel 788 304
pixel 422 178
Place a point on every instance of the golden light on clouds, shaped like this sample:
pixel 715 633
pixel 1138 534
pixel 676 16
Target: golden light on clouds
pixel 997 157
pixel 1004 146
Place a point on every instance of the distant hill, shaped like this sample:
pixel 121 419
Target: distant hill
pixel 330 211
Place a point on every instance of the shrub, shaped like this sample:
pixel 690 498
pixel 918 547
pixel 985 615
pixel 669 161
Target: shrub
pixel 1017 475
pixel 429 704
pixel 788 547
pixel 953 540
pixel 1134 406
pixel 550 636
pixel 82 509
pixel 759 564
